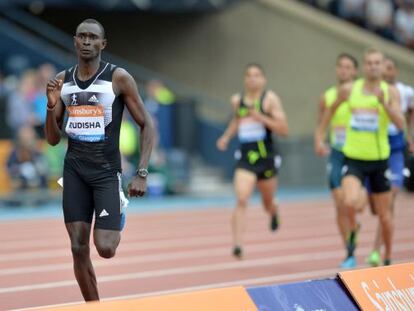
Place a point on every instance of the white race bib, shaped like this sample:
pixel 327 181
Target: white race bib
pixel 251 131
pixel 339 133
pixel 365 119
pixel 86 123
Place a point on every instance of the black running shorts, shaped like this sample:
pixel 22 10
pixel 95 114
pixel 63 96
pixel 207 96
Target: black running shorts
pixel 263 168
pixel 87 189
pixel 375 172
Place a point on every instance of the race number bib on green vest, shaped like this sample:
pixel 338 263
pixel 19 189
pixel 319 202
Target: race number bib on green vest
pixel 365 119
pixel 86 123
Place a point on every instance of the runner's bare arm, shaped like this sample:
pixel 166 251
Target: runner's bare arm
pixel 410 130
pixel 55 110
pixel 319 146
pixel 125 85
pixel 232 127
pixel 276 119
pixel 319 139
pixel 392 107
pixel 322 108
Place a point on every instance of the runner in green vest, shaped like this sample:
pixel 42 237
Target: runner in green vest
pixel 346 71
pixel 373 105
pixel 257 115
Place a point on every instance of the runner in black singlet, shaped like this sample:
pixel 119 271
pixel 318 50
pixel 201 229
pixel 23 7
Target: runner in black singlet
pixel 91 97
pixel 257 114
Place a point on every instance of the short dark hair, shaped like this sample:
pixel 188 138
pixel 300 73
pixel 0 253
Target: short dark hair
pixel 93 21
pixel 348 56
pixel 392 60
pixel 255 65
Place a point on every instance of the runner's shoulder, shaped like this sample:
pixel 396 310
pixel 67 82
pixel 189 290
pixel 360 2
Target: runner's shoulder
pixel 121 73
pixel 120 79
pixel 272 96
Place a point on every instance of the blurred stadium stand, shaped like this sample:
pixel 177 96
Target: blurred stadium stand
pixel 159 6
pixel 199 49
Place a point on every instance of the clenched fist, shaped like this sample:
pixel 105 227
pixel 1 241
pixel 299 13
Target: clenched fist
pixel 53 89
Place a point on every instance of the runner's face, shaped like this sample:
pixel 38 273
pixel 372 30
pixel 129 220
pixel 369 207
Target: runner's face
pixel 373 66
pixel 89 41
pixel 390 71
pixel 345 70
pixel 254 79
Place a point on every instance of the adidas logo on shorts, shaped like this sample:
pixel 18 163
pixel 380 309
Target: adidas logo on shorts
pixel 103 213
pixel 93 99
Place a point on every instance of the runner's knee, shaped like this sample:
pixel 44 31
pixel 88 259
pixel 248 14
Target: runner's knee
pixel 349 202
pixel 242 203
pixel 106 249
pixel 80 250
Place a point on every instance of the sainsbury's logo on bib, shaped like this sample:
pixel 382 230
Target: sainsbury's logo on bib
pixel 86 123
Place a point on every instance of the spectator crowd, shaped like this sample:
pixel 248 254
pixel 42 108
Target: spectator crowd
pixel 32 165
pixel 391 19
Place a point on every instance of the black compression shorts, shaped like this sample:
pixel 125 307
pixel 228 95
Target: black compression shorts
pixel 87 189
pixel 263 168
pixel 376 172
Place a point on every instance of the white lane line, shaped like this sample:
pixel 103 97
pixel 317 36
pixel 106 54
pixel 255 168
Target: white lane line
pixel 158 231
pixel 160 244
pixel 187 221
pixel 270 261
pixel 242 282
pixel 302 244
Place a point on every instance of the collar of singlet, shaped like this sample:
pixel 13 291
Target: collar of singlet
pixel 85 84
pixel 243 103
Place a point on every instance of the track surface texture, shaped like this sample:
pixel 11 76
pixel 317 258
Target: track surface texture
pixel 175 250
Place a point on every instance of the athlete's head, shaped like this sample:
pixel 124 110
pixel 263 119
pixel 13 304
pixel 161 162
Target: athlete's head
pixel 346 68
pixel 89 39
pixel 254 78
pixel 390 70
pixel 373 64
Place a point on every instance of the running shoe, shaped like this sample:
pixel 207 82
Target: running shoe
pixel 387 262
pixel 274 222
pixel 349 263
pixel 374 259
pixel 237 252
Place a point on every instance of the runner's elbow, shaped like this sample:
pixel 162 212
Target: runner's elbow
pixel 283 132
pixel 53 141
pixel 401 124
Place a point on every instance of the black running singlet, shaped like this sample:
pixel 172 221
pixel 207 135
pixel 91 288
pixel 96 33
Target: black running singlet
pixel 94 115
pixel 255 138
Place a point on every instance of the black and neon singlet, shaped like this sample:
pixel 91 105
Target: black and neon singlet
pixel 94 115
pixel 255 138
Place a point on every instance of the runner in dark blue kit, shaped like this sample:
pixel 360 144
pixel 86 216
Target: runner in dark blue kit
pixel 92 95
